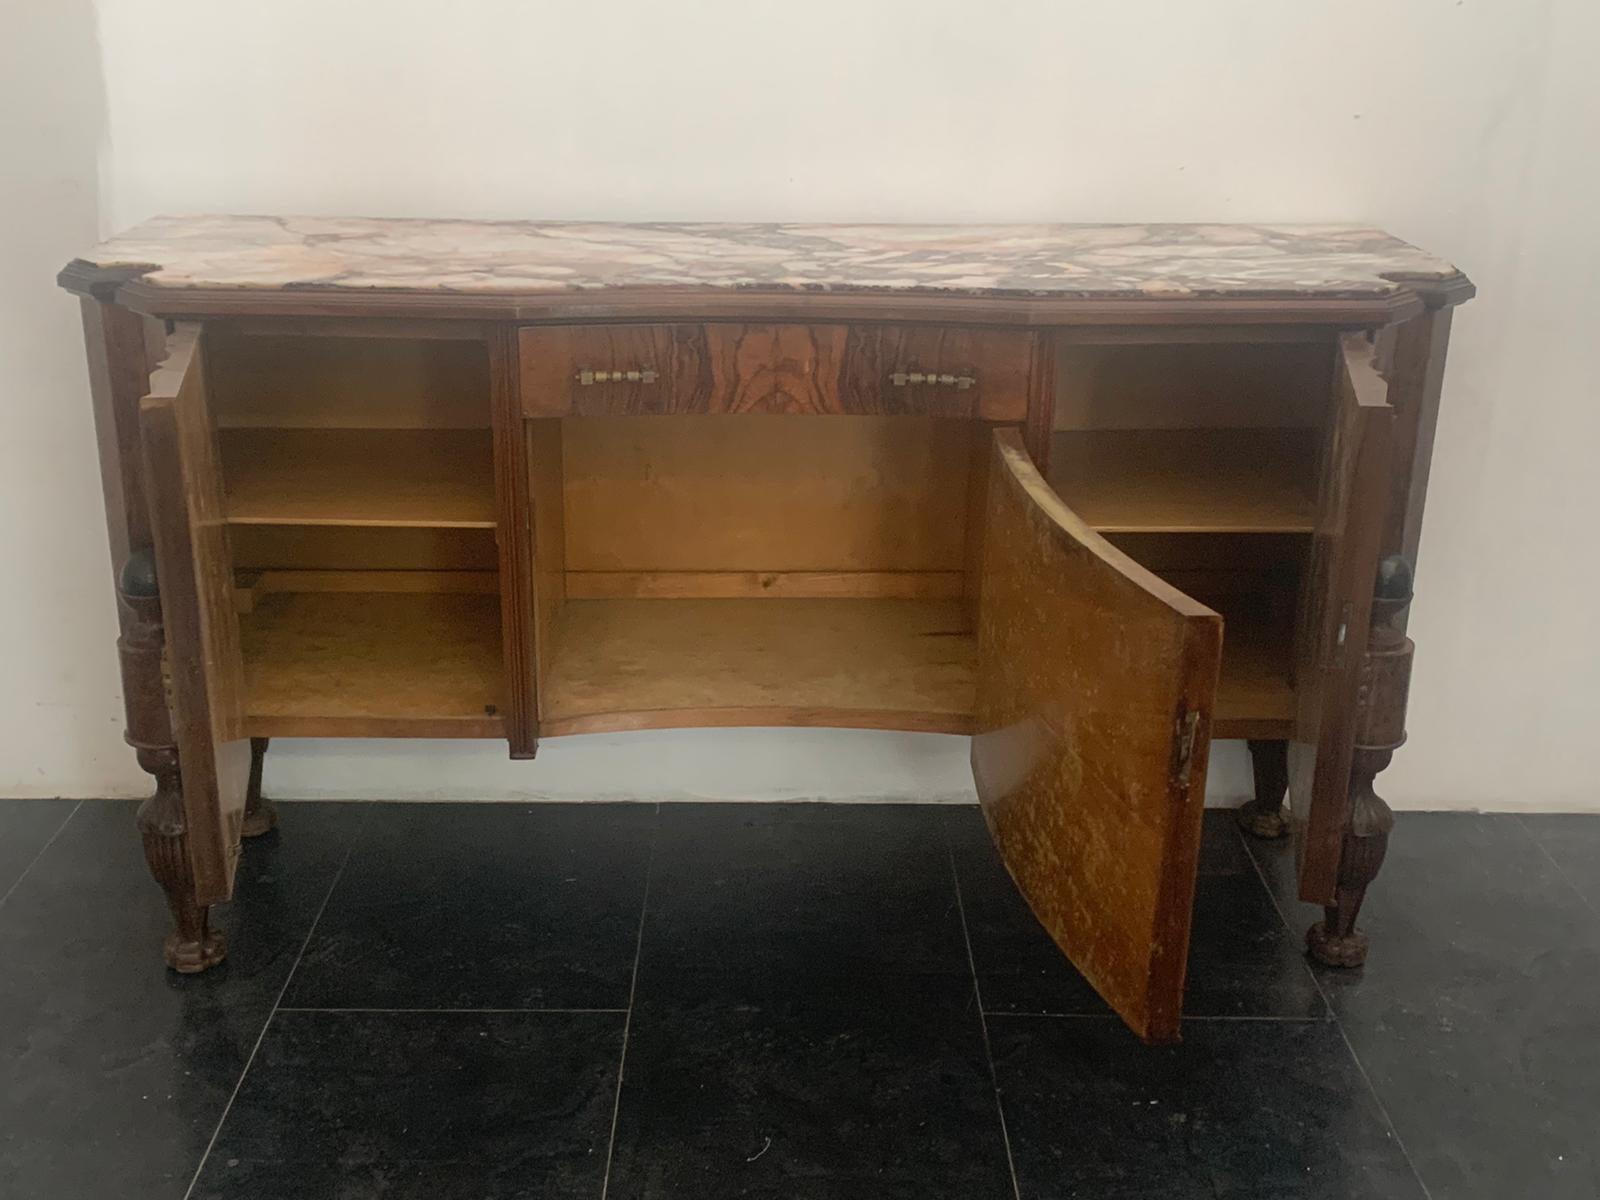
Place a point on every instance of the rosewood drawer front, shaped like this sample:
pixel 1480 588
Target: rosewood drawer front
pixel 883 370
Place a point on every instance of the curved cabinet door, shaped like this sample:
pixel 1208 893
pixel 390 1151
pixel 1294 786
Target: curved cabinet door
pixel 1095 688
pixel 1336 603
pixel 184 491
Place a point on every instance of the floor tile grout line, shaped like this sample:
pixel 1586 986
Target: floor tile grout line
pixel 627 1022
pixel 1551 858
pixel 34 861
pixel 1325 1019
pixel 344 862
pixel 297 1008
pixel 983 1022
pixel 1344 1034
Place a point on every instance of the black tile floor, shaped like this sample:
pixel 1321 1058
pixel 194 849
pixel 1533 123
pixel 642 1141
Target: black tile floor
pixel 799 1002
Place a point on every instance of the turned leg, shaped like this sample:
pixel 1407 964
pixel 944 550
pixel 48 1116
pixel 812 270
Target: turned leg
pixel 192 946
pixel 1380 729
pixel 1264 816
pixel 1336 942
pixel 260 814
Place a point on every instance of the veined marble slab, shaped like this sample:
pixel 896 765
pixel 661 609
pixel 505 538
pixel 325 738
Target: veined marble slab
pixel 499 257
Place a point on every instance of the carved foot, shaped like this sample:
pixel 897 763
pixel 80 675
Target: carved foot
pixel 1264 816
pixel 260 814
pixel 1333 949
pixel 189 955
pixel 193 946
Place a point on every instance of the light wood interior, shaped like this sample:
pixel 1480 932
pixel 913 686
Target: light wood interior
pixel 1255 690
pixel 418 478
pixel 1199 386
pixel 1188 480
pixel 372 664
pixel 706 570
pixel 646 664
pixel 298 382
pixel 1200 461
pixel 1252 580
pixel 361 517
pixel 728 493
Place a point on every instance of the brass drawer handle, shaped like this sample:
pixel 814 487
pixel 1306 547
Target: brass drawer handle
pixel 587 378
pixel 960 382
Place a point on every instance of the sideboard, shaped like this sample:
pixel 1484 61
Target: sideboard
pixel 1092 494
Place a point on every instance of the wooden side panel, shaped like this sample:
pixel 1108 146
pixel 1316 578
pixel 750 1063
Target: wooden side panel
pixel 723 493
pixel 513 521
pixel 1336 601
pixel 1095 690
pixel 183 485
pixel 546 483
pixel 1416 381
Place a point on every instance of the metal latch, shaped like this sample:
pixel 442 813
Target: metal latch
pixel 960 382
pixel 1186 729
pixel 587 377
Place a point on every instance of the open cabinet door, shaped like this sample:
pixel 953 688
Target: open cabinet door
pixel 1095 688
pixel 1335 605
pixel 184 490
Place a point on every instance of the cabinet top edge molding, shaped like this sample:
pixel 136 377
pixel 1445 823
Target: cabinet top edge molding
pixel 1024 274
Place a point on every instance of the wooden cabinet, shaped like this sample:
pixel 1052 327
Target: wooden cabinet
pixel 1093 513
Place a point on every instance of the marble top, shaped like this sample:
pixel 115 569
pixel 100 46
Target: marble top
pixel 523 257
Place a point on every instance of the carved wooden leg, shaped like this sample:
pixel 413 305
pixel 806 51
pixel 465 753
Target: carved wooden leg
pixel 1380 730
pixel 260 814
pixel 1337 942
pixel 1264 817
pixel 192 946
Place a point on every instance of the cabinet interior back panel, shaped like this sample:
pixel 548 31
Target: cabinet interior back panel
pixel 741 493
pixel 1225 385
pixel 291 382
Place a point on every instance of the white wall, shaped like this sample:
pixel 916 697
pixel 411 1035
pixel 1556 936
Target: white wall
pixel 1469 128
pixel 60 707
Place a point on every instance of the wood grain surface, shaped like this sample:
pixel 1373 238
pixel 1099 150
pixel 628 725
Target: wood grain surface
pixel 373 664
pixel 1096 683
pixel 651 664
pixel 727 494
pixel 781 369
pixel 1331 632
pixel 417 478
pixel 1188 480
pixel 184 489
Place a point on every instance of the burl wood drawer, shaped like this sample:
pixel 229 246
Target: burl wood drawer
pixel 884 370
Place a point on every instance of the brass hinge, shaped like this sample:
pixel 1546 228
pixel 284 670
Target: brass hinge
pixel 960 382
pixel 587 377
pixel 1186 729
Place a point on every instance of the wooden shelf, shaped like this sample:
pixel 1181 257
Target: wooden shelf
pixel 372 664
pixel 1255 696
pixel 1187 480
pixel 389 478
pixel 866 664
pixel 656 664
